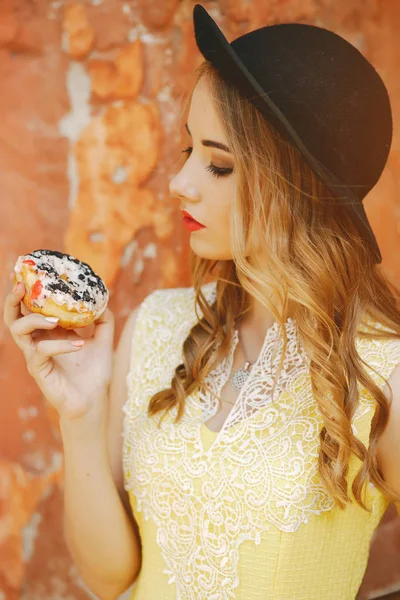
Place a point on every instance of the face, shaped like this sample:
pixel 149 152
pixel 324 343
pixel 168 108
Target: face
pixel 206 182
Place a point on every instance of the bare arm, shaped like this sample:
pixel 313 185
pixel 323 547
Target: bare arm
pixel 389 444
pixel 101 533
pixel 118 395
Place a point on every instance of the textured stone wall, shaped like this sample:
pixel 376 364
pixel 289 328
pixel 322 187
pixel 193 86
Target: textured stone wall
pixel 91 96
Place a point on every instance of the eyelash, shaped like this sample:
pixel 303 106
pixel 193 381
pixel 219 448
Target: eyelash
pixel 216 171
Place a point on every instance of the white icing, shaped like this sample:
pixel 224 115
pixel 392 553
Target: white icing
pixel 66 267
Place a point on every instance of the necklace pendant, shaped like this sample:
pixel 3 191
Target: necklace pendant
pixel 239 377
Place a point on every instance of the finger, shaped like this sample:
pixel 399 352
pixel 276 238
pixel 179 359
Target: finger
pixel 24 310
pixel 12 308
pixel 85 332
pixel 104 331
pixel 23 328
pixel 41 362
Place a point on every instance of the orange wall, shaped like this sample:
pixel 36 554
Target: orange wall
pixel 89 133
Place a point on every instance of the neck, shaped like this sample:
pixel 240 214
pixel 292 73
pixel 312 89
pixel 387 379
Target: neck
pixel 253 327
pixel 259 318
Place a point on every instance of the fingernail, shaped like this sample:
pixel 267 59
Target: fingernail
pixel 77 344
pixel 15 287
pixel 52 319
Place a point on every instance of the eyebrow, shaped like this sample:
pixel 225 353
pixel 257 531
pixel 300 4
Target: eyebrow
pixel 211 143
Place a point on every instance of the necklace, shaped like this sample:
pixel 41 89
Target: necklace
pixel 240 375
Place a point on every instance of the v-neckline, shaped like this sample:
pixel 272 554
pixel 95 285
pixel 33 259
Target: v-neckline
pixel 208 435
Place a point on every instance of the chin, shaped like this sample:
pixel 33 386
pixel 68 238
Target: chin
pixel 204 250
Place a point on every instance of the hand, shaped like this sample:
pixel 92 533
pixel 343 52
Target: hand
pixel 73 379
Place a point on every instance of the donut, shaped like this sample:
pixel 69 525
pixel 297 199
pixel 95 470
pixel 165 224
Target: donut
pixel 60 285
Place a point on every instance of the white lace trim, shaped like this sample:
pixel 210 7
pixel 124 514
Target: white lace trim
pixel 261 469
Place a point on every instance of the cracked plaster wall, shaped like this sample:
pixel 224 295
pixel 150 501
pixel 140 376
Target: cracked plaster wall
pixel 89 135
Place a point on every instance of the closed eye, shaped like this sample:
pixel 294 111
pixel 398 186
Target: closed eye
pixel 217 171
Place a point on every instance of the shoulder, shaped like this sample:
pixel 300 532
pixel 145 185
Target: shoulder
pixel 158 326
pixel 181 293
pixel 388 450
pixel 170 305
pixel 154 338
pixel 383 361
pixel 380 355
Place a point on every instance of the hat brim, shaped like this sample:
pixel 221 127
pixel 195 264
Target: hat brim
pixel 216 49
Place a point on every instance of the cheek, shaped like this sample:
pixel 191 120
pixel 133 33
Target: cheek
pixel 219 207
pixel 225 199
pixel 213 242
pixel 219 202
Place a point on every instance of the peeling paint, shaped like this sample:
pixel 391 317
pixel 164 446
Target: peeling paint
pixel 78 84
pixel 32 411
pixel 28 535
pixel 129 251
pixel 28 412
pixel 120 175
pixel 146 36
pixel 164 95
pixel 138 269
pixel 28 435
pixel 97 237
pixel 56 461
pixel 35 461
pixel 150 251
pixel 133 34
pixel 151 38
pixel 120 195
pixel 65 42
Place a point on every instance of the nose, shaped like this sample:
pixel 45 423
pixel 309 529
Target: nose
pixel 182 187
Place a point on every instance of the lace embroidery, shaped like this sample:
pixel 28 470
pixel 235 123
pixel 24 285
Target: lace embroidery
pixel 261 469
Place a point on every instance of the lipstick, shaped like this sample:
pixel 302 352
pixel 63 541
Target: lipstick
pixel 191 223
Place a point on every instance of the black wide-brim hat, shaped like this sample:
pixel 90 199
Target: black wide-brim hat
pixel 320 93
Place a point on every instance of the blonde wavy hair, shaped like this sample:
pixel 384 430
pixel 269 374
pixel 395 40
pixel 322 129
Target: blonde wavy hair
pixel 318 261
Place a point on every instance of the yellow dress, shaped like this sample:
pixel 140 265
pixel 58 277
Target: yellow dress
pixel 240 513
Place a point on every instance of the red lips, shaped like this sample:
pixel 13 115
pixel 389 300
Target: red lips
pixel 186 214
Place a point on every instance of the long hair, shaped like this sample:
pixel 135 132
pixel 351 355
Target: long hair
pixel 314 256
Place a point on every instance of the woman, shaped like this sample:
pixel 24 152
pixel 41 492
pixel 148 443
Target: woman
pixel 246 468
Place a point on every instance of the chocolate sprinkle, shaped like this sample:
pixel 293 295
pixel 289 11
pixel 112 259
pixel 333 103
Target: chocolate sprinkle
pixel 89 277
